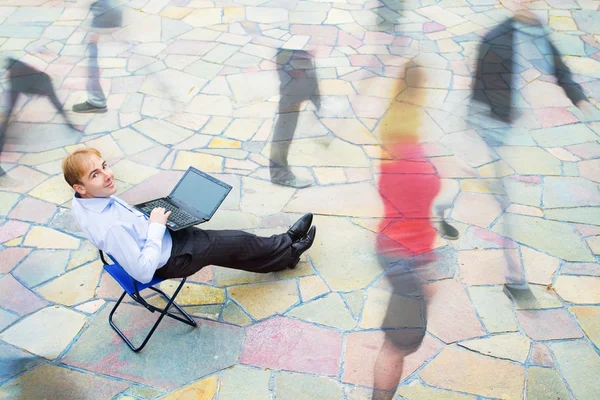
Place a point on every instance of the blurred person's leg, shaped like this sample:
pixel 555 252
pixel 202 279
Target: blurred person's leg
pixel 96 102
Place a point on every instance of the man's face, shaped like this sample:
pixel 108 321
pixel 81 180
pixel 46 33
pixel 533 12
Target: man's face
pixel 98 181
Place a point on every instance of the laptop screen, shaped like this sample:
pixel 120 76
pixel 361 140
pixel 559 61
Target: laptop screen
pixel 201 191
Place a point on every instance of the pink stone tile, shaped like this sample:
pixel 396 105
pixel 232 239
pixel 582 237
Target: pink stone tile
pixel 487 267
pixel 540 355
pixel 205 275
pixel 58 70
pixel 477 238
pixel 450 313
pixel 460 68
pixel 314 30
pixel 555 116
pixel 368 107
pixel 268 65
pixel 12 229
pixel 17 298
pixel 429 27
pixel 10 257
pixel 229 71
pixel 590 169
pixel 33 210
pixel 562 154
pixel 378 38
pixel 548 324
pixel 364 60
pixel 363 348
pixel 585 150
pixel 284 343
pixel 109 288
pixel 160 185
pixel 319 51
pixel 346 39
pixel 322 40
pixel 253 68
pixel 10 157
pixel 402 41
pixel 588 230
pixel 525 210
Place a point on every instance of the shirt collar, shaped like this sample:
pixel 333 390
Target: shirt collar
pixel 96 204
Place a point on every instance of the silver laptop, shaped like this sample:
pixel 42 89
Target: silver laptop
pixel 194 200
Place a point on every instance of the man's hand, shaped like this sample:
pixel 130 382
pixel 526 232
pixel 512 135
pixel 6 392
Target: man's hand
pixel 159 215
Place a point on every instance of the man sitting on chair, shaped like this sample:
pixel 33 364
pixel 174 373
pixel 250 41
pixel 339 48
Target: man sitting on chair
pixel 145 247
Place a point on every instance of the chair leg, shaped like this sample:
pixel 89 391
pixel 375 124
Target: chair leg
pixel 188 320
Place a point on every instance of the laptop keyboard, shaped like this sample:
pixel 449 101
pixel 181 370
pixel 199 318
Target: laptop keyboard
pixel 178 216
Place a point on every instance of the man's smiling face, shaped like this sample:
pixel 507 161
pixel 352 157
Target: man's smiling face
pixel 98 181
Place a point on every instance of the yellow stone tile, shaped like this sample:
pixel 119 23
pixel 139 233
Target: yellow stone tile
pixel 377 152
pixel 335 87
pixel 201 390
pixel 328 175
pixel 204 162
pixel 224 143
pixel 262 300
pixel 14 242
pixel 175 12
pixel 302 269
pixel 74 287
pixel 73 147
pixel 55 190
pixel 48 238
pixel 233 14
pixel 194 294
pixel 482 186
pixel 496 169
pixel 311 287
pixel 87 253
pixel 216 125
pixel 563 24
pixel 43 157
pixel 131 172
pixel 594 243
pixel 417 391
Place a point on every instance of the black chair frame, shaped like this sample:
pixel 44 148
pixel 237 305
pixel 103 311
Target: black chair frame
pixel 185 317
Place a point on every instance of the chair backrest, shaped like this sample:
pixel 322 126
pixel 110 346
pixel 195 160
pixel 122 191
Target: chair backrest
pixel 130 285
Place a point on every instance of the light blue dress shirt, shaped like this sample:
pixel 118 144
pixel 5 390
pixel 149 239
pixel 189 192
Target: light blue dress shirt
pixel 120 230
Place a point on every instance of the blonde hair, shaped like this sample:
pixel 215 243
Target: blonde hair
pixel 74 165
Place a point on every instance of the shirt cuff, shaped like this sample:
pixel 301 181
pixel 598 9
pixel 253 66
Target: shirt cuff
pixel 156 231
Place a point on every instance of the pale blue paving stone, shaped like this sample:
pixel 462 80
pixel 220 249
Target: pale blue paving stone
pixel 14 361
pixel 291 386
pixel 563 4
pixel 19 31
pixel 564 135
pixel 570 169
pixel 172 28
pixel 570 192
pixel 35 14
pixel 579 364
pixel 507 137
pixel 63 220
pixel 40 137
pixel 200 351
pixel 555 238
pixel 6 319
pixel 582 215
pixel 40 266
pixel 587 20
pixel 567 44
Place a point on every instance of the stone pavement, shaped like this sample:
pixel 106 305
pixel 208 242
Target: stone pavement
pixel 194 82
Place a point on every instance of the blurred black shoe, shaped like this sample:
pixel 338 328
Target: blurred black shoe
pixel 88 108
pixel 449 232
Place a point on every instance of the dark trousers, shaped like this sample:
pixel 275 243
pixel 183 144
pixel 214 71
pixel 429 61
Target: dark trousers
pixel 195 248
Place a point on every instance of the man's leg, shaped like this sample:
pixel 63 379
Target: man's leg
pixel 96 102
pixel 231 249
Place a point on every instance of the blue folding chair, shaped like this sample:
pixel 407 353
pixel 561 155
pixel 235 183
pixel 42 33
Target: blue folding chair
pixel 133 288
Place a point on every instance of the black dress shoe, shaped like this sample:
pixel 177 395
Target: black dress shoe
pixel 300 227
pixel 302 245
